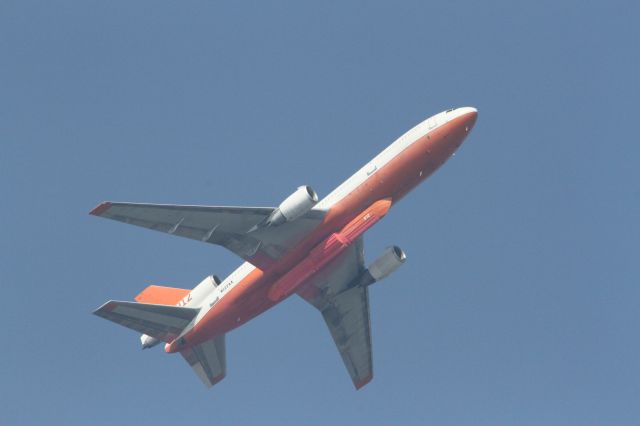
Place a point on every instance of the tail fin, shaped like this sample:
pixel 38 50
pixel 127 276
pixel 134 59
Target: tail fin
pixel 160 321
pixel 162 295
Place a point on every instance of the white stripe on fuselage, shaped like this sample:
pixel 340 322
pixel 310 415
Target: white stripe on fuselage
pixel 392 151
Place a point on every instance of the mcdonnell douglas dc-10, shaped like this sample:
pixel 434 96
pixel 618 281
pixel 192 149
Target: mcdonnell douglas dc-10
pixel 310 248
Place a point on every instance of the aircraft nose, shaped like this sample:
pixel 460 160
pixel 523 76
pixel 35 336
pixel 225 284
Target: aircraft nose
pixel 469 115
pixel 459 122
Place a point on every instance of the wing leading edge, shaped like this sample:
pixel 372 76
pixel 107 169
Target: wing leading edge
pixel 344 305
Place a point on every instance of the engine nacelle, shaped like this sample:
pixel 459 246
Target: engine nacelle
pixel 392 258
pixel 294 206
pixel 148 341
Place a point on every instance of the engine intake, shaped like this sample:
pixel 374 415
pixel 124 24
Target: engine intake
pixel 392 258
pixel 294 206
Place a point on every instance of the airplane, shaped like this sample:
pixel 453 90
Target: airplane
pixel 304 247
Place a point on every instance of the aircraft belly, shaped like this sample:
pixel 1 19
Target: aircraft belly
pixel 327 250
pixel 244 302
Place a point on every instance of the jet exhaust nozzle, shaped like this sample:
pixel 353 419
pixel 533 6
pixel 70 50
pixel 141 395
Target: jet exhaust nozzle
pixel 148 341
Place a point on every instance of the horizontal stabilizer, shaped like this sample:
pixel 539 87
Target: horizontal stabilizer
pixel 208 360
pixel 160 321
pixel 162 295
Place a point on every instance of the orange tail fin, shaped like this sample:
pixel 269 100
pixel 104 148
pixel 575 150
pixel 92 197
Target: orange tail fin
pixel 162 295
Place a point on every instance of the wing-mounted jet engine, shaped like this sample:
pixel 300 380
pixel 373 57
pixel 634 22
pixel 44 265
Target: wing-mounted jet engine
pixel 392 258
pixel 294 206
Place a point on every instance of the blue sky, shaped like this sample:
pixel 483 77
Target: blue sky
pixel 519 301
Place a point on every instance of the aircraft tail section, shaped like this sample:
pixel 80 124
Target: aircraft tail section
pixel 161 295
pixel 160 321
pixel 208 360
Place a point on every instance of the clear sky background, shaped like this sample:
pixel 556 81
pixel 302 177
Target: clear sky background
pixel 519 301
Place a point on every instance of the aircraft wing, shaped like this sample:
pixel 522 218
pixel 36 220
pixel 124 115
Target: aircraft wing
pixel 344 305
pixel 230 227
pixel 208 360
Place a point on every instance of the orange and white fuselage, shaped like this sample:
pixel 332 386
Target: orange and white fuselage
pixel 350 210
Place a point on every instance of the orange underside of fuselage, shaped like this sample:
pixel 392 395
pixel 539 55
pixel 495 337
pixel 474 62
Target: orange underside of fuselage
pixel 249 298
